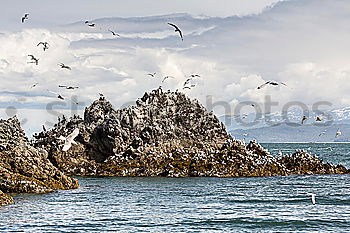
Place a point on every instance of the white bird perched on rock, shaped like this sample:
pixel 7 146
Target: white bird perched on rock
pixel 313 198
pixel 69 140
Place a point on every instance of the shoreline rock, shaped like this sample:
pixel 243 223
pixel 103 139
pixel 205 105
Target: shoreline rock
pixel 5 199
pixel 25 169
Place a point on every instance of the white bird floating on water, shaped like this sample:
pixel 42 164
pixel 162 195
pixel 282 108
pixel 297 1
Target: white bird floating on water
pixel 313 198
pixel 69 140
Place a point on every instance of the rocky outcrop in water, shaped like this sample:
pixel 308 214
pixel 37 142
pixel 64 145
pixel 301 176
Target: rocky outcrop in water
pixel 25 169
pixel 302 163
pixel 164 134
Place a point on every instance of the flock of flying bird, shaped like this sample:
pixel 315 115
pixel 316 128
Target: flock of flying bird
pixel 46 46
pixel 187 84
pixel 69 140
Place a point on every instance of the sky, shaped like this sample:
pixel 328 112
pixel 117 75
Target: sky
pixel 52 12
pixel 235 46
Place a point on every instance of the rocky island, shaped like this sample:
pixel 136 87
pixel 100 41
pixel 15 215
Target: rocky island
pixel 164 134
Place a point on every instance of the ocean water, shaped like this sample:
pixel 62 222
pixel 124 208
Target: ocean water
pixel 266 204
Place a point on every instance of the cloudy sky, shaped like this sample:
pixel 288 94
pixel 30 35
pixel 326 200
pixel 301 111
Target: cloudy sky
pixel 234 45
pixel 52 12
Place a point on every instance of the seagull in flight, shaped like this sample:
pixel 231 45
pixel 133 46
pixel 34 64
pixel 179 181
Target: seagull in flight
pixel 189 87
pixel 195 76
pixel 34 85
pixel 68 87
pixel 25 17
pixel 63 66
pixel 338 133
pixel 177 29
pixel 323 133
pixel 187 81
pixel 165 78
pixel 33 59
pixel 318 118
pixel 272 83
pixel 113 33
pixel 45 44
pixel 313 198
pixel 57 94
pixel 152 74
pixel 69 140
pixel 303 120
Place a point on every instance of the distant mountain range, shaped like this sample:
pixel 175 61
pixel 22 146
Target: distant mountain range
pixel 297 133
pixel 274 128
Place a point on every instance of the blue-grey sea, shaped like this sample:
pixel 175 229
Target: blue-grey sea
pixel 266 204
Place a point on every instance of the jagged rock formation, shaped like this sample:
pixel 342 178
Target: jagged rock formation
pixel 301 163
pixel 165 134
pixel 25 169
pixel 5 199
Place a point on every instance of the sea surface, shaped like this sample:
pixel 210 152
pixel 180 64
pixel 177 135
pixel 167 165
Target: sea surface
pixel 267 204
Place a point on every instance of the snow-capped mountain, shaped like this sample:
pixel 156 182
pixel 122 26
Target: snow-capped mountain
pixel 288 127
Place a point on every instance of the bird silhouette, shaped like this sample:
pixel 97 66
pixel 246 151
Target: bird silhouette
pixel 63 66
pixel 57 94
pixel 272 83
pixel 303 120
pixel 177 29
pixel 113 33
pixel 34 60
pixel 68 87
pixel 189 87
pixel 45 45
pixel 152 74
pixel 167 77
pixel 195 76
pixel 25 17
pixel 318 118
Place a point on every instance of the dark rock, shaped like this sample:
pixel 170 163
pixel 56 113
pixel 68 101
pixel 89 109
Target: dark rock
pixel 301 163
pixel 5 199
pixel 25 169
pixel 165 134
